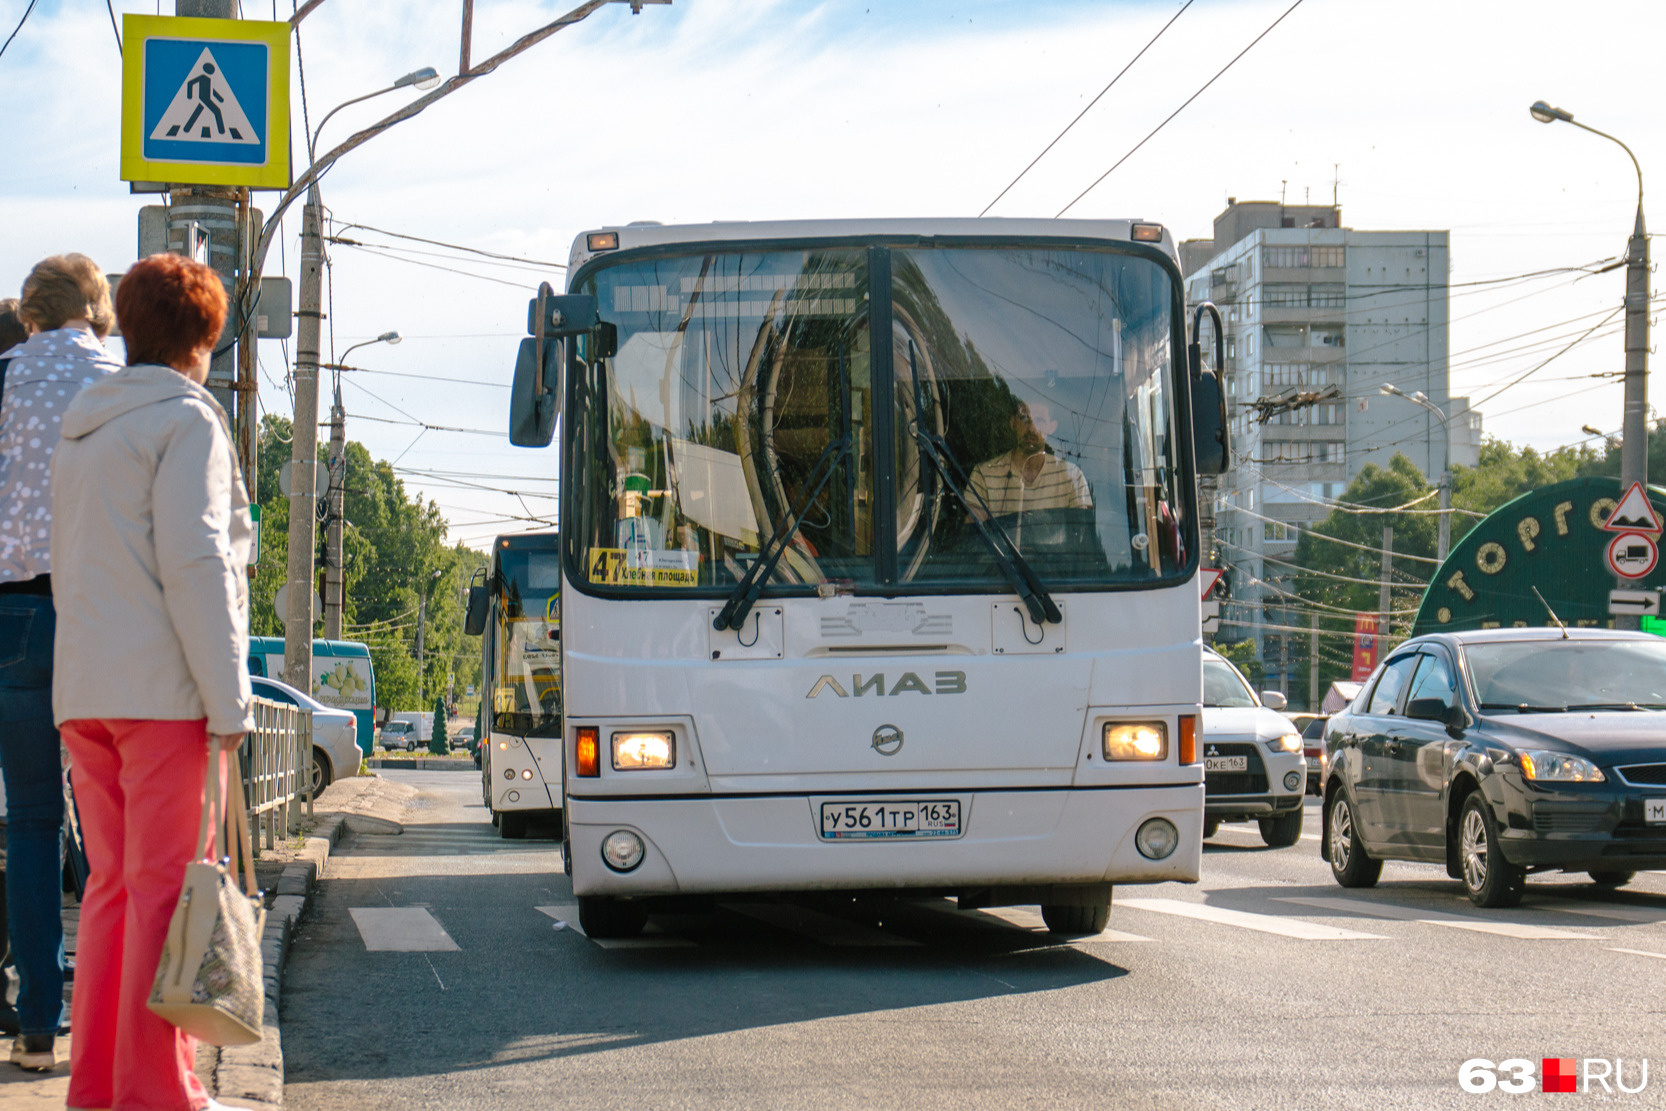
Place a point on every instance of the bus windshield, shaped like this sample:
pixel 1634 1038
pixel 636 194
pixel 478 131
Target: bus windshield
pixel 1025 389
pixel 526 693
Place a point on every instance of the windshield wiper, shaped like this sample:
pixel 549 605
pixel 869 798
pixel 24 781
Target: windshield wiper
pixel 745 595
pixel 1008 559
pixel 1614 706
pixel 1524 708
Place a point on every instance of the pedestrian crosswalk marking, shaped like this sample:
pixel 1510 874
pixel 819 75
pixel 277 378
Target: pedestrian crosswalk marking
pixel 1644 915
pixel 652 936
pixel 1264 923
pixel 205 110
pixel 1519 930
pixel 828 929
pixel 401 930
pixel 1639 953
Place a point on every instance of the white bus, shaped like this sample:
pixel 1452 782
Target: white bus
pixel 516 611
pixel 916 614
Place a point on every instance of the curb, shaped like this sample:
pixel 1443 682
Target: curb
pixel 417 763
pixel 253 1074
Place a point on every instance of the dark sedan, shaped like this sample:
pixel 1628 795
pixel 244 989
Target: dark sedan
pixel 1502 752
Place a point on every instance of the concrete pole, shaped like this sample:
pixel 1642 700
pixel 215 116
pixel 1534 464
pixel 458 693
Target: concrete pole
pixel 1382 593
pixel 1443 534
pixel 1634 442
pixel 422 653
pixel 1313 664
pixel 303 493
pixel 335 574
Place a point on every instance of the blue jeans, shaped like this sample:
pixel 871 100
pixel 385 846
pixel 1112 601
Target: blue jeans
pixel 34 809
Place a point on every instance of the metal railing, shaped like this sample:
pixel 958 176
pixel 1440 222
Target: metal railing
pixel 276 765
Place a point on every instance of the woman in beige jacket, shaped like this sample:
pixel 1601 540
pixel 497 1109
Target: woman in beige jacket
pixel 150 539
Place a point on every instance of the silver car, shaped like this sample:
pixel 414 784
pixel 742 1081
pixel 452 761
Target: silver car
pixel 335 733
pixel 1252 757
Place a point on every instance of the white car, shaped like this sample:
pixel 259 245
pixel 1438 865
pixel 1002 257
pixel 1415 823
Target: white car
pixel 335 733
pixel 1253 765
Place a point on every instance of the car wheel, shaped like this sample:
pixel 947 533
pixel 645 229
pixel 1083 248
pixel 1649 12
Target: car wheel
pixel 1615 878
pixel 1211 826
pixel 322 776
pixel 602 917
pixel 1489 880
pixel 1348 860
pixel 512 825
pixel 1283 831
pixel 1076 920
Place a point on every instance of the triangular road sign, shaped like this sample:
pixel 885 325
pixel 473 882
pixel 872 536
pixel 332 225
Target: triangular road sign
pixel 1634 513
pixel 1207 577
pixel 205 110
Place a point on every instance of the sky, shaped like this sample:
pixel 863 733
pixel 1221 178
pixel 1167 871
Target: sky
pixel 1412 114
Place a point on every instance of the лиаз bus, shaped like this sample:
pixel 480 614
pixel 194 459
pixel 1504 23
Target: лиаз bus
pixel 879 552
pixel 343 677
pixel 516 611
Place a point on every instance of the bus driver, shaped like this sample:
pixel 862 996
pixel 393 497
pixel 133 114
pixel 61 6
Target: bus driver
pixel 1029 476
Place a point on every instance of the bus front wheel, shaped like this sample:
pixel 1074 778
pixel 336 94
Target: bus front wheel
pixel 603 917
pixel 1077 920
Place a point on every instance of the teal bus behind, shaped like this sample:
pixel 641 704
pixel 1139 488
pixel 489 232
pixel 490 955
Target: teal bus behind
pixel 342 677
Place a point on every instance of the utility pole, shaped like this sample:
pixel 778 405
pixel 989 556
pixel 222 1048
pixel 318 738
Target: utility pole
pixel 303 489
pixel 1313 664
pixel 422 650
pixel 1382 592
pixel 335 573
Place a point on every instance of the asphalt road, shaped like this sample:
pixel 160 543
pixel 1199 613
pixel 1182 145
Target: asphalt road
pixel 1232 993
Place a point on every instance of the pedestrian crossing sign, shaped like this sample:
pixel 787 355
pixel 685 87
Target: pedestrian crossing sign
pixel 205 101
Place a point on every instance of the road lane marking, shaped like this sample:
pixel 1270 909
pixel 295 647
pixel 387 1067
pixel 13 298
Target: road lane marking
pixel 828 929
pixel 1517 930
pixel 1619 913
pixel 652 937
pixel 401 930
pixel 1026 919
pixel 1638 953
pixel 1265 923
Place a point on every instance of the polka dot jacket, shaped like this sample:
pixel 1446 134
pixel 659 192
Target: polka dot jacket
pixel 46 371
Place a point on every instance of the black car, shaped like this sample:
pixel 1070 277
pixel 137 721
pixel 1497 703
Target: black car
pixel 1502 752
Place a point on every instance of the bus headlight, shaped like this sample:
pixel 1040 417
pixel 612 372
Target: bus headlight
pixel 1136 740
pixel 637 751
pixel 622 850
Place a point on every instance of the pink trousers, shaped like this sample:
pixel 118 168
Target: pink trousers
pixel 139 788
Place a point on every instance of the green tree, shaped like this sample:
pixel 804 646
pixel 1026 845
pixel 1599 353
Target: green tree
pixel 392 547
pixel 438 743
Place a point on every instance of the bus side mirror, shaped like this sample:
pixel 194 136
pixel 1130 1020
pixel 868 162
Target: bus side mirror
pixel 474 622
pixel 1210 430
pixel 535 398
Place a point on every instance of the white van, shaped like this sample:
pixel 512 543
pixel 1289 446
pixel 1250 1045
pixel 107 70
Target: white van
pixel 407 729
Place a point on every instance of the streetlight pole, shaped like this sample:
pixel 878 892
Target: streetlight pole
pixel 1443 530
pixel 335 571
pixel 1634 432
pixel 303 491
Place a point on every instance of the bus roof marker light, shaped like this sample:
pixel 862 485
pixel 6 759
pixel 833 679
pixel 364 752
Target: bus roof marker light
pixel 602 241
pixel 1147 233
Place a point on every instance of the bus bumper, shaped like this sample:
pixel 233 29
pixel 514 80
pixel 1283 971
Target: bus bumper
pixel 773 843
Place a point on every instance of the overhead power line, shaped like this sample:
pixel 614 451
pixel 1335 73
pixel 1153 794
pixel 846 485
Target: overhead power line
pixel 457 247
pixel 18 28
pixel 1179 110
pixel 1086 110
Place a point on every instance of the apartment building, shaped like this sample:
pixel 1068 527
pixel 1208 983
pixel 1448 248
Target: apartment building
pixel 1318 318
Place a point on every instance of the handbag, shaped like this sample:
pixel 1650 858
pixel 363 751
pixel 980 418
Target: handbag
pixel 210 981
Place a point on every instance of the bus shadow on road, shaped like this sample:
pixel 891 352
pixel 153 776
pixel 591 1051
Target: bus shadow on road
pixel 521 987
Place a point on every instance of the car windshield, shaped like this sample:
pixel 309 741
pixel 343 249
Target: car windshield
pixel 1555 675
pixel 1222 685
pixel 743 397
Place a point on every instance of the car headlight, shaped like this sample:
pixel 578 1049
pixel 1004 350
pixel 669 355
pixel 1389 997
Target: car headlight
pixel 1136 740
pixel 1544 765
pixel 637 751
pixel 1290 742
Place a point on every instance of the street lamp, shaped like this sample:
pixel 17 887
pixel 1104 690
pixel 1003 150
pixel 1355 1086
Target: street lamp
pixel 1634 454
pixel 303 495
pixel 1634 431
pixel 1444 529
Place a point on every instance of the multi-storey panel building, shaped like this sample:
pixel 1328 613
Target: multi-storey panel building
pixel 1318 318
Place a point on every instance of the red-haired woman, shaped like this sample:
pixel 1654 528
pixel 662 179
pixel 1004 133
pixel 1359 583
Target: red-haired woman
pixel 150 538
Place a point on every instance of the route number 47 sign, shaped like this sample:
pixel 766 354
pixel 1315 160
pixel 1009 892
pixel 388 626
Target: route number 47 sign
pixel 205 101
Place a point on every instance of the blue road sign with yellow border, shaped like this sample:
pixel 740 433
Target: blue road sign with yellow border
pixel 205 101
